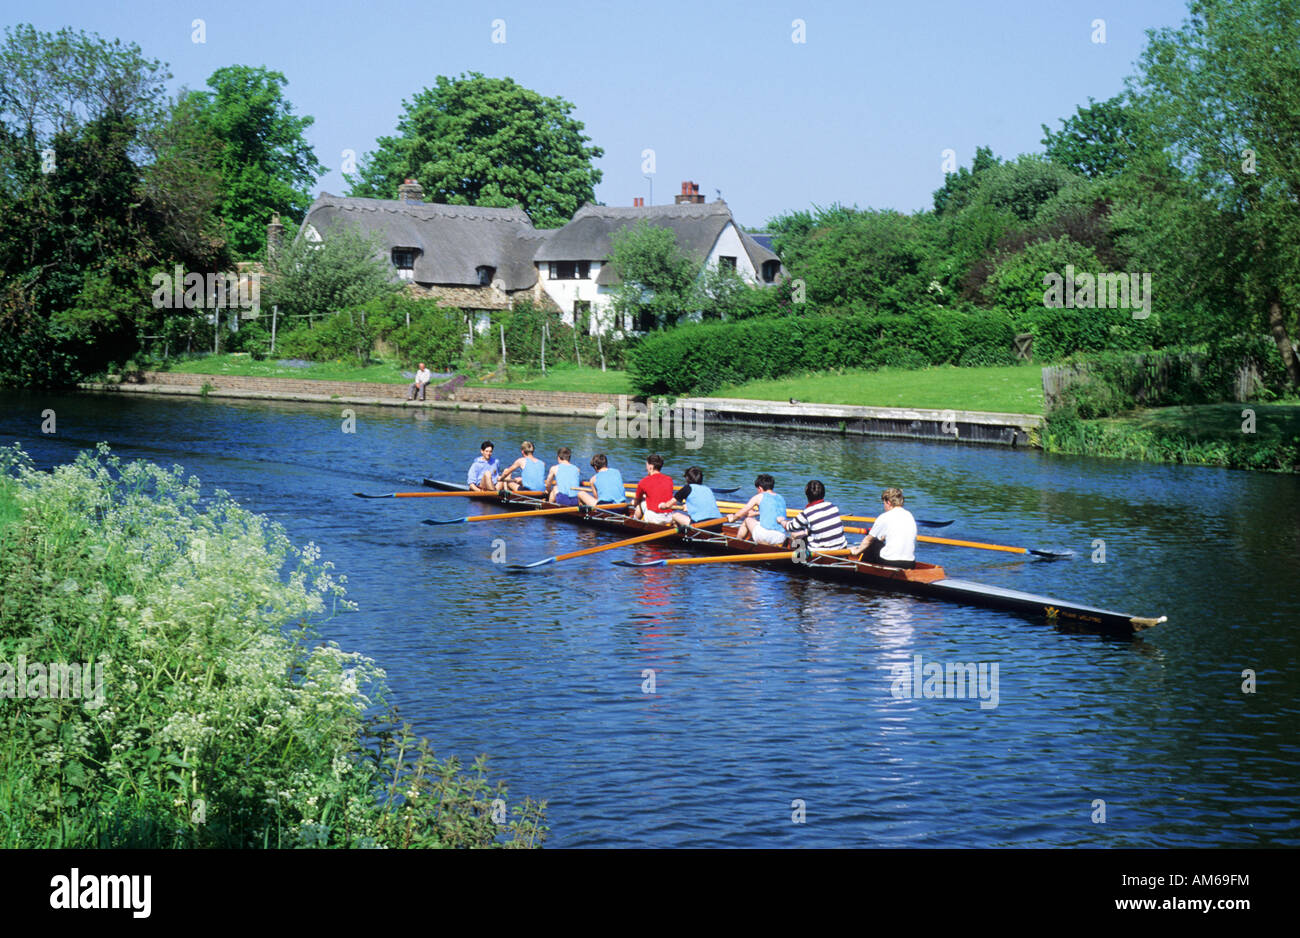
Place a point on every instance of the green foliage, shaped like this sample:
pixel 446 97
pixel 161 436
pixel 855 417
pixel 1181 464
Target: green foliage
pixel 312 279
pixel 1217 96
pixel 266 164
pixel 659 279
pixel 1097 140
pixel 1065 432
pixel 343 335
pixel 960 185
pixel 212 727
pixel 486 141
pixel 701 358
pixel 869 259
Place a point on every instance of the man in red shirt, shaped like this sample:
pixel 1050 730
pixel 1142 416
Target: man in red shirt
pixel 654 492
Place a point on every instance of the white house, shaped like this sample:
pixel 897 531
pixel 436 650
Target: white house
pixel 482 259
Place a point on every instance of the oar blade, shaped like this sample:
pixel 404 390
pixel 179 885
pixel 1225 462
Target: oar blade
pixel 520 567
pixel 368 495
pixel 640 563
pixel 464 520
pixel 1051 554
pixel 933 524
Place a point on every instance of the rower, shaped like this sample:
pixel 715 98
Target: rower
pixel 563 480
pixel 483 471
pixel 819 521
pixel 763 517
pixel 892 540
pixel 654 494
pixel 607 484
pixel 696 499
pixel 532 472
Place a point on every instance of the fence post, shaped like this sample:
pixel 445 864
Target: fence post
pixel 275 312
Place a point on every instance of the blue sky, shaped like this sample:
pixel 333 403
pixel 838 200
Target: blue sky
pixel 859 113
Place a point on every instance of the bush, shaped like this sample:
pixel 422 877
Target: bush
pixel 701 358
pixel 207 725
pixel 342 335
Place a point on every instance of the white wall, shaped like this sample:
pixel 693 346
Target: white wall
pixel 566 292
pixel 729 243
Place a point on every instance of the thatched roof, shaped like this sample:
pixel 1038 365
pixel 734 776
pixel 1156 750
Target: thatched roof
pixel 453 241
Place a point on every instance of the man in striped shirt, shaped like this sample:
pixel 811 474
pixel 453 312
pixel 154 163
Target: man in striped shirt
pixel 819 521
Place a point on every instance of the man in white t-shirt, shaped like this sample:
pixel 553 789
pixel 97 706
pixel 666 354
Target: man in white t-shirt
pixel 892 541
pixel 422 379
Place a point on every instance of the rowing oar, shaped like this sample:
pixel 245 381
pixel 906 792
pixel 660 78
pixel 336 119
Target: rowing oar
pixel 440 494
pixel 505 516
pixel 1050 554
pixel 643 539
pixel 632 488
pixel 730 558
pixel 791 512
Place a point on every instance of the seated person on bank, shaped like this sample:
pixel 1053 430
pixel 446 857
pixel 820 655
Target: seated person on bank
pixel 422 379
pixel 892 541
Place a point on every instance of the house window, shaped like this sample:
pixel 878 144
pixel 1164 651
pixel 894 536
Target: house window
pixel 404 261
pixel 485 275
pixel 726 262
pixel 770 270
pixel 570 270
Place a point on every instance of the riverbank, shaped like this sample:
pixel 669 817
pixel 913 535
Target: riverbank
pixel 157 700
pixel 1255 436
pixel 888 422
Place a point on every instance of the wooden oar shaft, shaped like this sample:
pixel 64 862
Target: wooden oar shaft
pixel 535 513
pixel 791 512
pixel 644 538
pixel 951 542
pixel 453 494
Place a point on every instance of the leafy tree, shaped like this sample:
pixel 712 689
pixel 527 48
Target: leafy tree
pixel 958 186
pixel 474 140
pixel 872 259
pixel 1097 141
pixel 659 280
pixel 793 230
pixel 1222 92
pixel 266 165
pixel 308 280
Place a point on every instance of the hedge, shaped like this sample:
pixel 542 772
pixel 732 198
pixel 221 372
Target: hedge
pixel 698 359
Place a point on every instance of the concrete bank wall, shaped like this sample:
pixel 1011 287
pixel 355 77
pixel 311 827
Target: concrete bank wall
pixel 893 422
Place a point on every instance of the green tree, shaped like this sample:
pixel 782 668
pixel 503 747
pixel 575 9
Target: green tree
pixel 1098 140
pixel 266 165
pixel 1222 92
pixel 866 258
pixel 309 280
pixel 659 280
pixel 958 186
pixel 475 140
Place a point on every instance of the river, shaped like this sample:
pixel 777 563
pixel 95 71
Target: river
pixel 774 718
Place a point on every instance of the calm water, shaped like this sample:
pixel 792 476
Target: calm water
pixel 770 689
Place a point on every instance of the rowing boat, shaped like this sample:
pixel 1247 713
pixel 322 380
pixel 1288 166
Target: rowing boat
pixel 924 579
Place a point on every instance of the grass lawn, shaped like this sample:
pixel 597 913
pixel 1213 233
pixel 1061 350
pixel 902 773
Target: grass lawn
pixel 1276 421
pixel 242 364
pixel 563 378
pixel 1012 389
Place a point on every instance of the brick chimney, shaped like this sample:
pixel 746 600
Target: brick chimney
pixel 274 236
pixel 410 191
pixel 638 202
pixel 690 193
